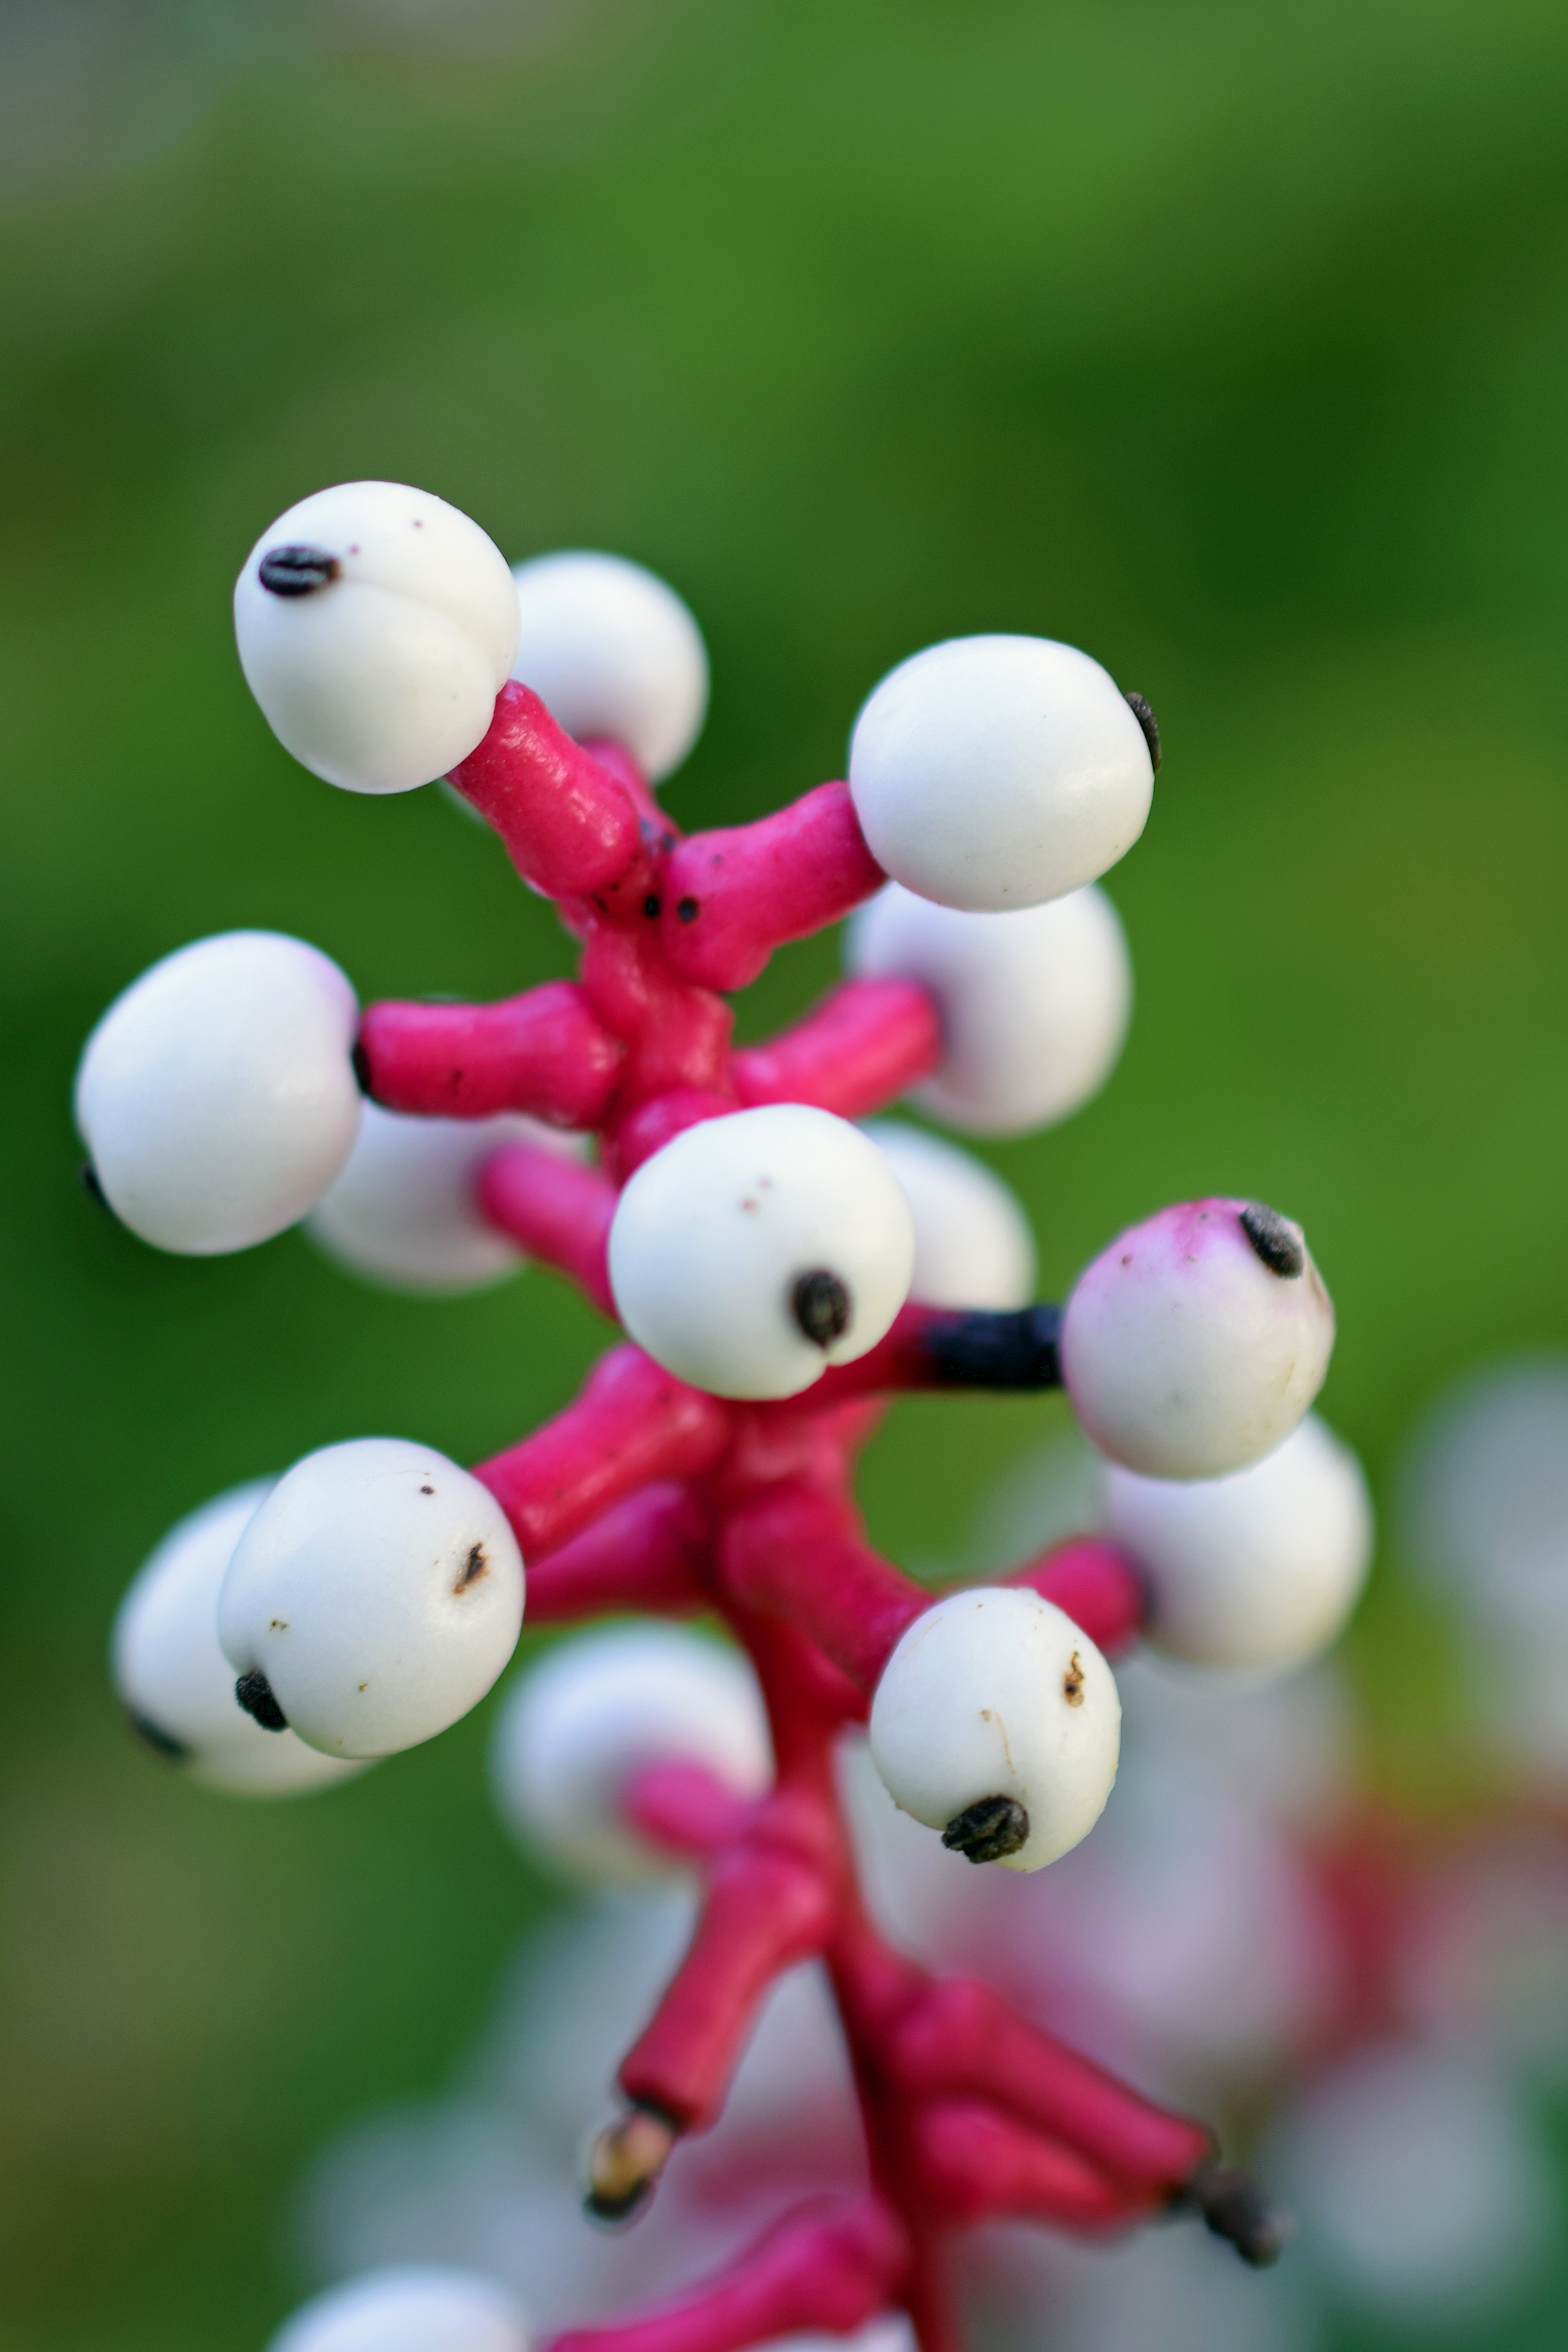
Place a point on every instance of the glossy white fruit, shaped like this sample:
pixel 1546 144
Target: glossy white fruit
pixel 379 1589
pixel 1260 1569
pixel 1189 1349
pixel 997 1693
pixel 973 1246
pixel 1034 1005
pixel 176 1683
pixel 216 1097
pixel 403 1211
pixel 613 652
pixel 384 674
pixel 579 1722
pixel 713 1237
pixel 994 773
pixel 408 2309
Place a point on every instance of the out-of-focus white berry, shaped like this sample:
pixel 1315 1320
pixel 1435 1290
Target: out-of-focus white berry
pixel 408 2310
pixel 1034 1005
pixel 995 1692
pixel 217 1097
pixel 378 1591
pixel 579 1722
pixel 973 1246
pixel 753 1251
pixel 175 1681
pixel 1260 1569
pixel 997 771
pixel 1195 1342
pixel 1423 2189
pixel 404 1211
pixel 613 652
pixel 376 626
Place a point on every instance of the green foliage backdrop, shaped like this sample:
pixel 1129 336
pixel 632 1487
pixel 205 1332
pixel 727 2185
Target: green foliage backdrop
pixel 1229 343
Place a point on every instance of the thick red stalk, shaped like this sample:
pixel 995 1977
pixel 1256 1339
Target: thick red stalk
pixel 570 828
pixel 795 1552
pixel 862 1046
pixel 832 2268
pixel 543 1053
pixel 647 1554
pixel 1097 1585
pixel 556 1210
pixel 730 898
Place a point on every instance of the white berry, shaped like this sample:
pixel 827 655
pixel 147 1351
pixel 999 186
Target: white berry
pixel 613 652
pixel 755 1250
pixel 412 2309
pixel 579 1722
pixel 376 626
pixel 175 1681
pixel 378 1591
pixel 973 1246
pixel 1034 1004
pixel 217 1097
pixel 996 1694
pixel 403 1211
pixel 1260 1569
pixel 994 773
pixel 1196 1341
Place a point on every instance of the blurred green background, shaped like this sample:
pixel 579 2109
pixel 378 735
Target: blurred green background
pixel 1229 343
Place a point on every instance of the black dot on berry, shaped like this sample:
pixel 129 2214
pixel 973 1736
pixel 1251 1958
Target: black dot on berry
pixel 256 1695
pixel 989 1829
pixel 1276 1241
pixel 297 571
pixel 821 1307
pixel 1138 705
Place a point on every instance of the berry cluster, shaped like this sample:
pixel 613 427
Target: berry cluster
pixel 780 1271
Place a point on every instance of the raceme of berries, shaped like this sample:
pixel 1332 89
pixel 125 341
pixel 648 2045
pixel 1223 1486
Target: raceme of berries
pixel 613 655
pixel 1195 1342
pixel 376 626
pixel 997 1721
pixel 373 1597
pixel 1260 1569
pixel 1034 1005
pixel 408 2309
pixel 405 1211
pixel 996 773
pixel 752 1252
pixel 780 1280
pixel 216 1097
pixel 173 1680
pixel 973 1246
pixel 580 1723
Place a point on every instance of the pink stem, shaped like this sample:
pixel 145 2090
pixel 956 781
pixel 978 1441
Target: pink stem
pixel 941 1348
pixel 767 1907
pixel 958 2037
pixel 631 1423
pixel 658 1122
pixel 556 1210
pixel 865 1044
pixel 570 828
pixel 730 898
pixel 978 2165
pixel 684 1809
pixel 1096 1584
pixel 543 1052
pixel 833 2268
pixel 795 1552
pixel 646 1554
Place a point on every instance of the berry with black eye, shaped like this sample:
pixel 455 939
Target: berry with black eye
pixel 1188 1351
pixel 173 1680
pixel 999 772
pixel 217 1096
pixel 376 626
pixel 1034 1005
pixel 377 1592
pixel 997 1722
pixel 1258 1569
pixel 754 1250
pixel 613 652
pixel 579 1723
